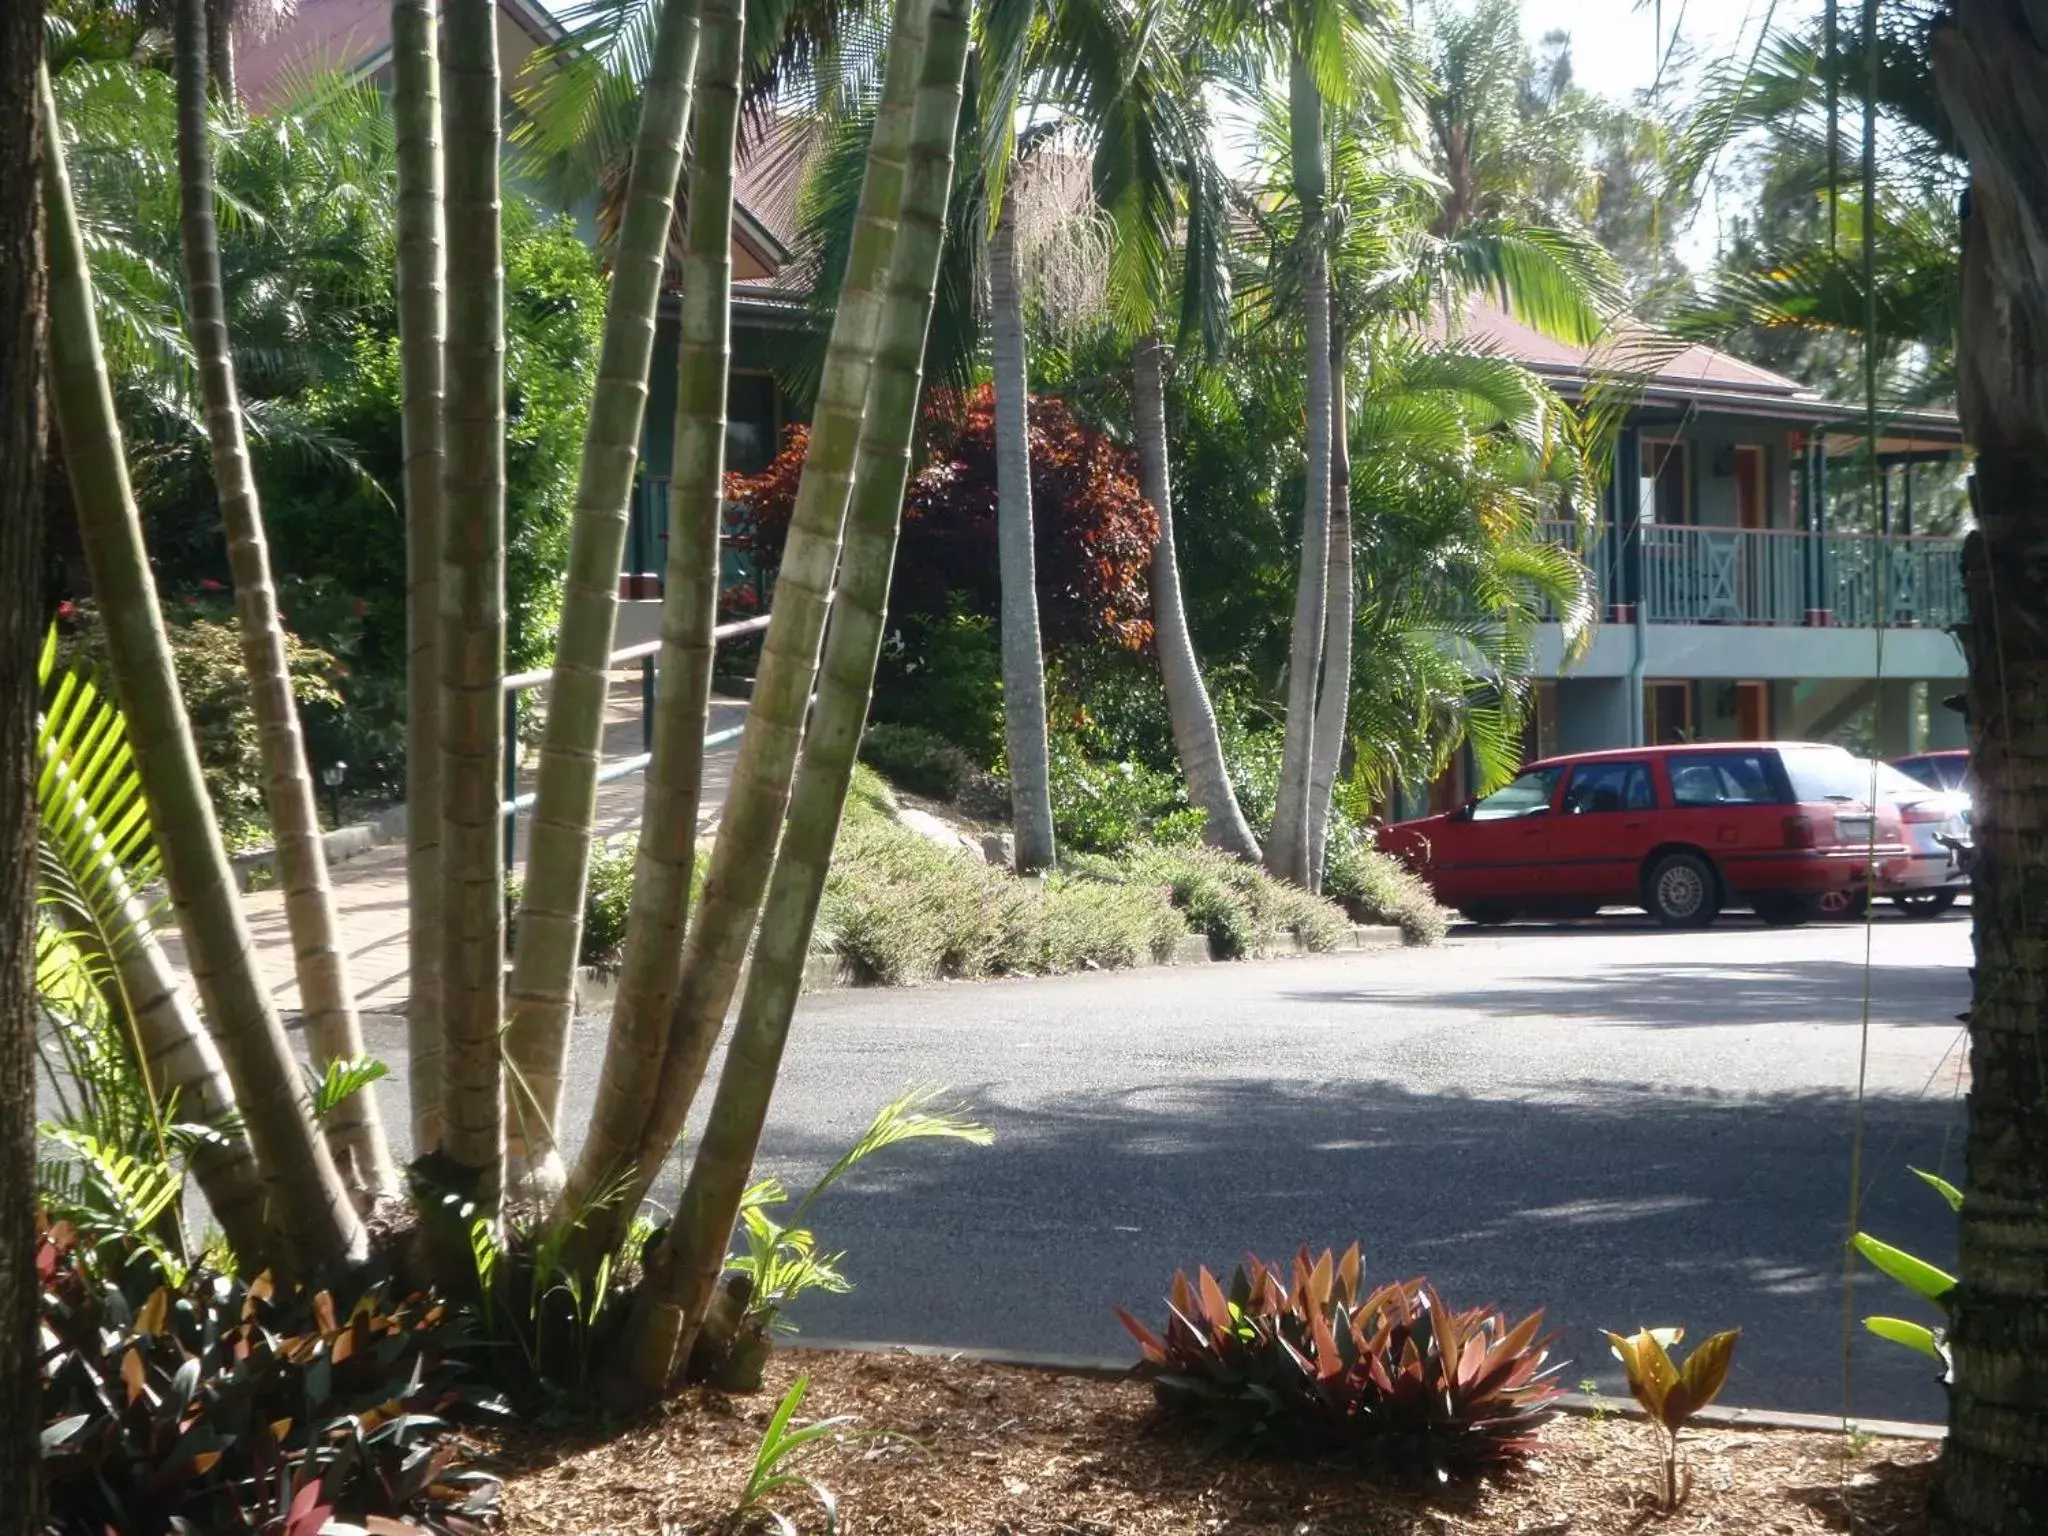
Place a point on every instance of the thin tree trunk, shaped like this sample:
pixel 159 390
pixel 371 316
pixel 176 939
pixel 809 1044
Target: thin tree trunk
pixel 22 427
pixel 752 822
pixel 178 1056
pixel 672 793
pixel 1287 847
pixel 309 1204
pixel 355 1132
pixel 1333 703
pixel 565 801
pixel 219 53
pixel 1016 557
pixel 1195 736
pixel 422 333
pixel 671 1307
pixel 472 600
pixel 1991 66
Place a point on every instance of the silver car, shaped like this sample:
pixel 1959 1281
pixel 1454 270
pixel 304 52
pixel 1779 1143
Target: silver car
pixel 1937 828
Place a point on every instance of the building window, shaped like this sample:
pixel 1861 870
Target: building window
pixel 753 421
pixel 1666 491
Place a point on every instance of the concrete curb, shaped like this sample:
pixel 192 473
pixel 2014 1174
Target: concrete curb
pixel 1101 1368
pixel 257 869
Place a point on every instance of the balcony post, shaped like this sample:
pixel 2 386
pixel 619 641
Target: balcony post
pixel 1816 498
pixel 1628 510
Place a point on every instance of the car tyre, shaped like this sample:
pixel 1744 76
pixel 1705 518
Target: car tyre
pixel 1925 903
pixel 1787 911
pixel 1487 914
pixel 1682 891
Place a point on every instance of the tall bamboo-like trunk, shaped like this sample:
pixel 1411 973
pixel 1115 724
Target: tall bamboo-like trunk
pixel 1195 736
pixel 565 800
pixel 220 53
pixel 472 600
pixel 1017 556
pixel 355 1131
pixel 1333 703
pixel 1287 847
pixel 22 432
pixel 308 1203
pixel 754 807
pixel 422 333
pixel 672 793
pixel 1991 64
pixel 671 1308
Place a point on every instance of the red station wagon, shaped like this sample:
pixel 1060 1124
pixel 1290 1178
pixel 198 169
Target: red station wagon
pixel 1680 831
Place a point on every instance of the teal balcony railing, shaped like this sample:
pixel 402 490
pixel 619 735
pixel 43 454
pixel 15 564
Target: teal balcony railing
pixel 1692 575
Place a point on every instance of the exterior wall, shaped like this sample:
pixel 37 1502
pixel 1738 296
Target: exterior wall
pixel 1593 713
pixel 1711 478
pixel 1754 653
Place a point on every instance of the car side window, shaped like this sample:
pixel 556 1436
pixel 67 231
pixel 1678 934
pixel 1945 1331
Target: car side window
pixel 1721 778
pixel 1598 787
pixel 1528 794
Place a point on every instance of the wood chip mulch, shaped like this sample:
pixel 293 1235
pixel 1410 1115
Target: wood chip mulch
pixel 959 1448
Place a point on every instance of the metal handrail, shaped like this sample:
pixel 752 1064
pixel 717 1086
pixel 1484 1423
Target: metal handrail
pixel 644 653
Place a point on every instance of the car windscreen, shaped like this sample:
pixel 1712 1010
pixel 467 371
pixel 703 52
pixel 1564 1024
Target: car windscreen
pixel 1825 773
pixel 1895 784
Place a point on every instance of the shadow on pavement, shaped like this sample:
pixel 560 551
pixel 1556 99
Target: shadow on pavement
pixel 1692 996
pixel 1627 1206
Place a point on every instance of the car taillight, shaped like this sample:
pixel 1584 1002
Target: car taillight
pixel 1800 832
pixel 1926 814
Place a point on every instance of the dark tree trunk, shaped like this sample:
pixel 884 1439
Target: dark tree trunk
pixel 1991 62
pixel 22 429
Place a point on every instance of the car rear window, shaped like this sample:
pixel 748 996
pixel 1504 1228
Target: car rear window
pixel 1825 773
pixel 1937 772
pixel 1724 778
pixel 1904 787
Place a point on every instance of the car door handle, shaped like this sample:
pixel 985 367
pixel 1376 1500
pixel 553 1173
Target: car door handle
pixel 1636 825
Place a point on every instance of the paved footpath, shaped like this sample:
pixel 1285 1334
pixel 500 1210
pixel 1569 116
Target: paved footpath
pixel 369 890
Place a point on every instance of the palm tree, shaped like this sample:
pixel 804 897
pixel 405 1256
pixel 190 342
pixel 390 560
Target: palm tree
pixel 422 332
pixel 1030 760
pixel 1991 63
pixel 316 1222
pixel 741 858
pixel 672 1314
pixel 22 431
pixel 355 1133
pixel 565 801
pixel 472 599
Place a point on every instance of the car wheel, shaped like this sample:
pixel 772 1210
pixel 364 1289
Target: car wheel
pixel 1925 903
pixel 1844 903
pixel 1682 891
pixel 1487 914
pixel 1787 911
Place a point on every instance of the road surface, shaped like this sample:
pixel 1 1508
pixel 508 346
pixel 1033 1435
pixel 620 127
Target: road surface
pixel 1621 1125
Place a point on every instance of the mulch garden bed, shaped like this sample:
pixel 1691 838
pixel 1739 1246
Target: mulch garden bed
pixel 949 1447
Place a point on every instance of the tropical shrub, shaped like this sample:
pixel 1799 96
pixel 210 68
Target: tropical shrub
pixel 918 759
pixel 1673 1395
pixel 905 909
pixel 206 649
pixel 1095 530
pixel 1110 806
pixel 225 1405
pixel 1313 1365
pixel 944 673
pixel 1374 888
pixel 1243 910
pixel 1931 1284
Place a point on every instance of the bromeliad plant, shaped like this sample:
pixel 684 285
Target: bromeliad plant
pixel 219 1406
pixel 1313 1365
pixel 1924 1280
pixel 1672 1396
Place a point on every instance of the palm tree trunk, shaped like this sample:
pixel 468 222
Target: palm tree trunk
pixel 22 429
pixel 473 611
pixel 671 1308
pixel 1333 703
pixel 565 800
pixel 355 1132
pixel 309 1205
pixel 1016 557
pixel 672 795
pixel 422 333
pixel 1187 699
pixel 219 53
pixel 1991 66
pixel 752 822
pixel 1287 846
